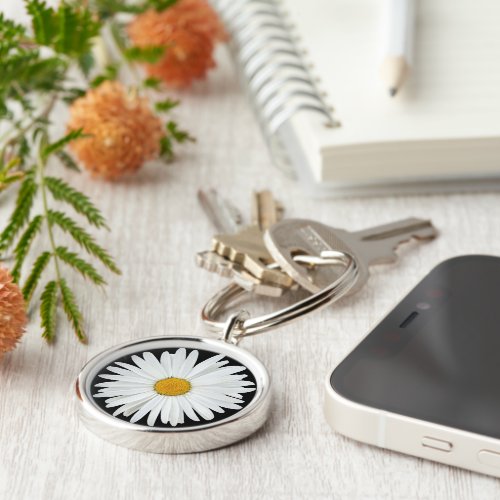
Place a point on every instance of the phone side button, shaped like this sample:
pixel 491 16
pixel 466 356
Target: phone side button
pixel 437 444
pixel 487 457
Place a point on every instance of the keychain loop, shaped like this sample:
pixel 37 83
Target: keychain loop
pixel 236 327
pixel 233 322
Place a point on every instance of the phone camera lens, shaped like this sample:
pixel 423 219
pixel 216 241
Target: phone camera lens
pixel 423 306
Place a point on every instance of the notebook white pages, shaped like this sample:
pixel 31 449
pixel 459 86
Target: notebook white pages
pixel 301 58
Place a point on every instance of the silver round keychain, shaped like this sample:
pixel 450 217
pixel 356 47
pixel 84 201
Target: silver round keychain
pixel 183 394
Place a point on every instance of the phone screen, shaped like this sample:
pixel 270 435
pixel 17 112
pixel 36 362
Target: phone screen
pixel 436 356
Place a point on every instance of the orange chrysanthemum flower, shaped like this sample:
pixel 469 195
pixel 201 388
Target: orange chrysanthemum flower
pixel 13 316
pixel 188 31
pixel 124 131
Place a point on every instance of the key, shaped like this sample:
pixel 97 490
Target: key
pixel 216 210
pixel 289 239
pixel 225 217
pixel 247 248
pixel 266 210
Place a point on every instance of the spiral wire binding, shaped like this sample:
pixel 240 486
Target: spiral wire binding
pixel 271 67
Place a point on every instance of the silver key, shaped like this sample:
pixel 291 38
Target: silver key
pixel 224 216
pixel 294 237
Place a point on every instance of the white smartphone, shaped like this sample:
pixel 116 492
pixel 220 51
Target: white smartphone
pixel 426 380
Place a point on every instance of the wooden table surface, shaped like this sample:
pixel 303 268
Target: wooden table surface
pixel 157 227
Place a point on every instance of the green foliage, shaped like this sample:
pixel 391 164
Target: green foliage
pixel 71 309
pixel 80 265
pixel 82 237
pixel 62 191
pixel 21 213
pixel 48 310
pixel 62 143
pixel 152 83
pixel 34 277
pixel 68 30
pixel 67 161
pixel 24 244
pixel 150 54
pixel 37 65
pixel 110 73
pixel 166 105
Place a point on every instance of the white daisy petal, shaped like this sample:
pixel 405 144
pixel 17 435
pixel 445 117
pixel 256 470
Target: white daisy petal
pixel 202 410
pixel 215 376
pixel 128 409
pixel 153 414
pixel 165 411
pixel 120 378
pixel 219 396
pixel 205 364
pixel 121 392
pixel 120 400
pixel 178 359
pixel 187 366
pixel 136 370
pixel 166 362
pixel 145 409
pixel 126 385
pixel 153 362
pixel 152 370
pixel 174 412
pixel 206 402
pixel 187 408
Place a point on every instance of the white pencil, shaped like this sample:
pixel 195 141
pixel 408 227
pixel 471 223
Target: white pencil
pixel 398 32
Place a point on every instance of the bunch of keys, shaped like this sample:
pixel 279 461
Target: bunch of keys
pixel 181 393
pixel 271 256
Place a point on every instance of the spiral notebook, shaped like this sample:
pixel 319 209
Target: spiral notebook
pixel 311 69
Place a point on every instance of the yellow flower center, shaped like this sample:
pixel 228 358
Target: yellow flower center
pixel 172 386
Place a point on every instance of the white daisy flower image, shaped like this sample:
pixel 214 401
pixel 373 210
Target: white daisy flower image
pixel 173 387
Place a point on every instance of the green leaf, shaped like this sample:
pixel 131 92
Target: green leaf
pixel 62 191
pixel 67 160
pixel 150 54
pixel 152 82
pixel 86 62
pixel 84 239
pixel 71 309
pixel 179 136
pixel 34 277
pixel 24 244
pixel 110 73
pixel 83 267
pixel 44 21
pixel 61 143
pixel 22 209
pixel 166 148
pixel 161 5
pixel 166 105
pixel 68 30
pixel 48 313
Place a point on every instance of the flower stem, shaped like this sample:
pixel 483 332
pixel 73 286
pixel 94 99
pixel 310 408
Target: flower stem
pixel 41 164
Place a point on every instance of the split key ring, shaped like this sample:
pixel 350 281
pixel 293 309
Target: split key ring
pixel 226 297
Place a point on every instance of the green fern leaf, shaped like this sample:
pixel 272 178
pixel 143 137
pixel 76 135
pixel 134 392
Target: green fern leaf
pixel 48 313
pixel 166 105
pixel 84 268
pixel 35 274
pixel 43 21
pixel 24 244
pixel 62 191
pixel 67 161
pixel 61 143
pixel 21 213
pixel 84 239
pixel 71 309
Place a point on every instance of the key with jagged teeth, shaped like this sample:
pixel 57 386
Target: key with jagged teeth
pixel 247 248
pixel 225 262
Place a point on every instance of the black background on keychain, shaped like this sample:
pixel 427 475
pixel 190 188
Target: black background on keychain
pixel 202 356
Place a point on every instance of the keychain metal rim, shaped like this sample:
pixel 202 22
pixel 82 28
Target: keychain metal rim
pixel 153 439
pixel 230 294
